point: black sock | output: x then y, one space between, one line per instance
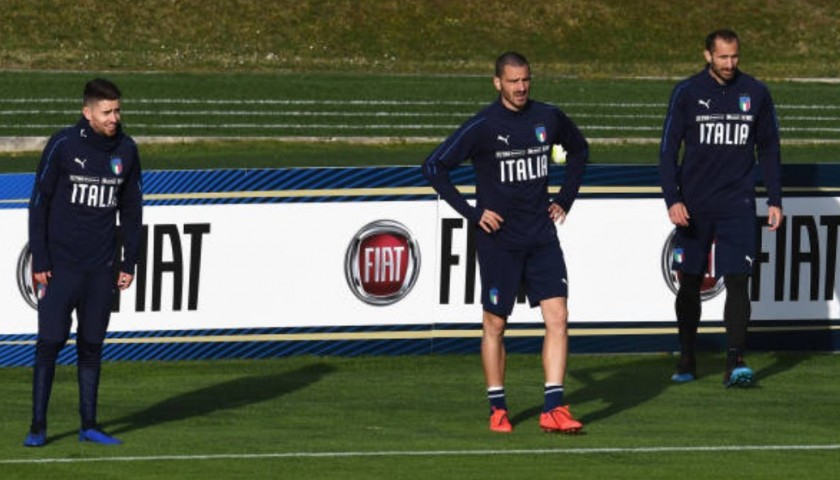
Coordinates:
734 358
736 311
689 309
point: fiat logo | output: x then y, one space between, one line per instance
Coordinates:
382 262
25 282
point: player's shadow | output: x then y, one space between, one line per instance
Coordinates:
624 386
782 362
221 396
620 386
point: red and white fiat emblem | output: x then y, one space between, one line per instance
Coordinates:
709 288
25 282
382 262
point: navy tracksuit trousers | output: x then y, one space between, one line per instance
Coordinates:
90 294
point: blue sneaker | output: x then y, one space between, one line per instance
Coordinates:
682 377
740 376
35 439
685 368
98 436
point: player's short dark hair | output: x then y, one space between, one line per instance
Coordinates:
100 89
510 58
724 34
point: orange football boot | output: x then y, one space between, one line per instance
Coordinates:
560 420
499 421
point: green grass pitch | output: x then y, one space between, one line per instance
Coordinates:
284 120
425 417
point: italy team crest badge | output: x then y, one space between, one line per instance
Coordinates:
744 103
116 166
541 135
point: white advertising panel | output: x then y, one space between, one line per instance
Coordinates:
286 265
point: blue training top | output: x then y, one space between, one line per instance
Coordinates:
722 127
511 155
83 180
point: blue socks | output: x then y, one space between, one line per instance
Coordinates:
496 396
553 397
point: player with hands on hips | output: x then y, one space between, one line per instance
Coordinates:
511 144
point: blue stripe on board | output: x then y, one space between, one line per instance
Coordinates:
791 335
16 188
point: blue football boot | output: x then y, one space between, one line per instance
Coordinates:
98 436
35 439
686 369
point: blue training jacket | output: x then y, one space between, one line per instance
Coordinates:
722 128
511 155
83 182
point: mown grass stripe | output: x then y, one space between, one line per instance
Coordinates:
379 126
310 113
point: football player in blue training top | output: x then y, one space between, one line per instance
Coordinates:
88 175
724 118
510 143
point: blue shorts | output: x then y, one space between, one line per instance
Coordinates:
730 242
541 269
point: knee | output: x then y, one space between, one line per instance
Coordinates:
493 324
690 284
737 291
559 326
89 354
556 320
689 291
736 281
46 352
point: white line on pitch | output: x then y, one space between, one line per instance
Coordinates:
428 453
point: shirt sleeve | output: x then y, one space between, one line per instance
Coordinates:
672 136
459 147
46 178
577 155
131 215
769 152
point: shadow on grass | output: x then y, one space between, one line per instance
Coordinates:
222 396
713 365
782 362
623 386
